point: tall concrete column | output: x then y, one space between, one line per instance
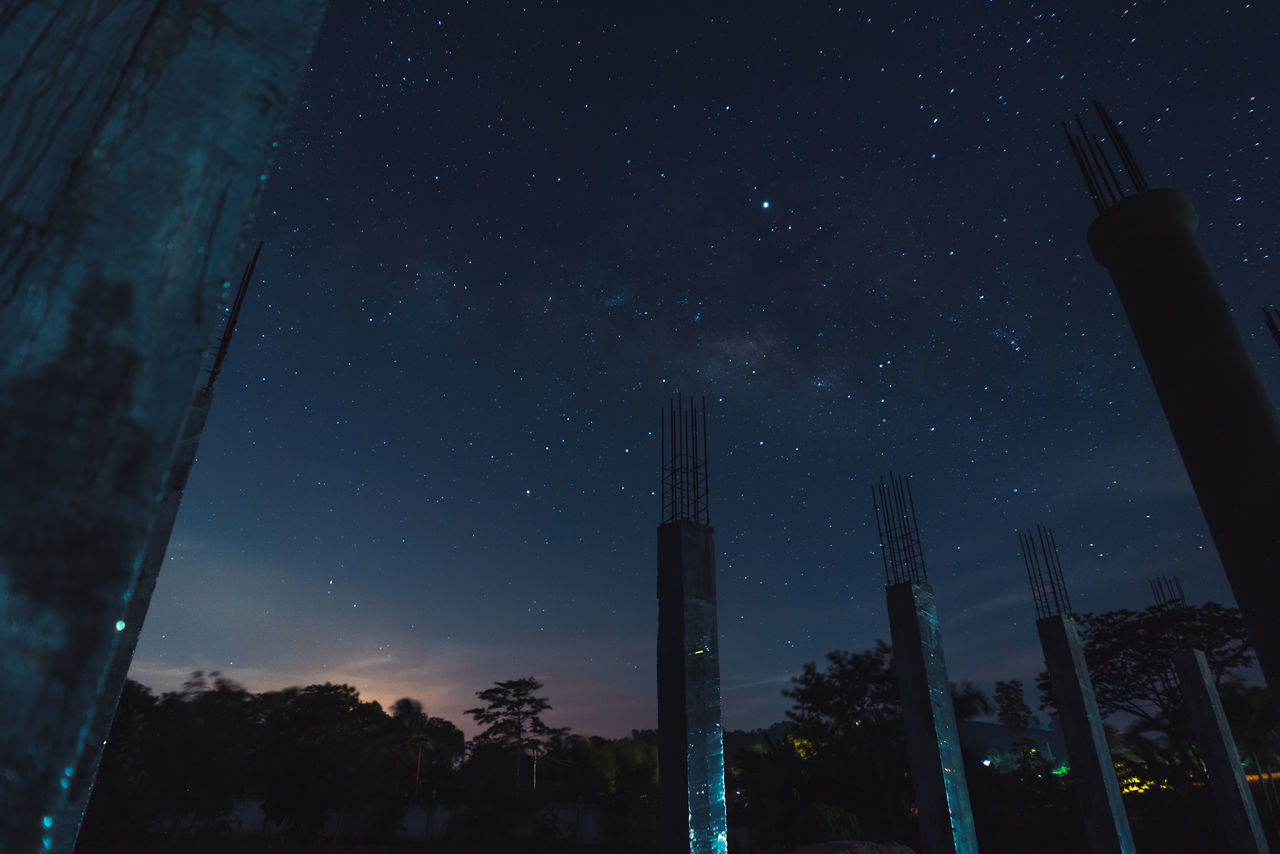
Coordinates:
1094 774
691 750
67 829
1218 749
933 741
139 137
80 785
1218 409
692 816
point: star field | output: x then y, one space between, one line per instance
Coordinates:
499 237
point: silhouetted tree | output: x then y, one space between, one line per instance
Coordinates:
428 748
603 770
1012 711
968 701
854 690
637 770
316 754
325 751
202 744
1012 708
1128 653
513 717
125 786
846 749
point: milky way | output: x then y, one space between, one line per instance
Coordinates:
499 239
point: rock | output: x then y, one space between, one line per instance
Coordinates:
851 847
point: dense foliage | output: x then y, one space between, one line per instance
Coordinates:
316 756
326 765
512 714
1128 653
842 773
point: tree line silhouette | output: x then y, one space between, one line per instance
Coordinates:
330 768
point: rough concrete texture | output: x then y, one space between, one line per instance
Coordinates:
67 828
690 740
933 741
138 138
1217 746
1105 822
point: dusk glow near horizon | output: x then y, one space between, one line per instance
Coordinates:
499 239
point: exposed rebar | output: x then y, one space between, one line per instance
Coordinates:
899 531
1167 590
1044 571
229 321
1100 176
685 495
1127 159
1272 316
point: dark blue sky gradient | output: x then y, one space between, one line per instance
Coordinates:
499 237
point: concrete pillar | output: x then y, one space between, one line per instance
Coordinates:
690 741
1222 760
65 831
933 741
1092 771
1220 414
138 138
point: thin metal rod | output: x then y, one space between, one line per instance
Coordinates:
1044 572
1122 147
1100 176
898 528
1090 183
684 465
1272 317
884 550
1111 173
662 466
1096 155
1060 585
1167 591
232 317
706 465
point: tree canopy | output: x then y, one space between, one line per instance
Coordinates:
853 690
513 714
1129 656
312 754
1012 709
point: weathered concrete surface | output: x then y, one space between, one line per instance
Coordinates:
1221 416
1217 746
66 829
690 741
137 137
933 741
1105 822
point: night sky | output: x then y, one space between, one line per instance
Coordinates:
500 237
